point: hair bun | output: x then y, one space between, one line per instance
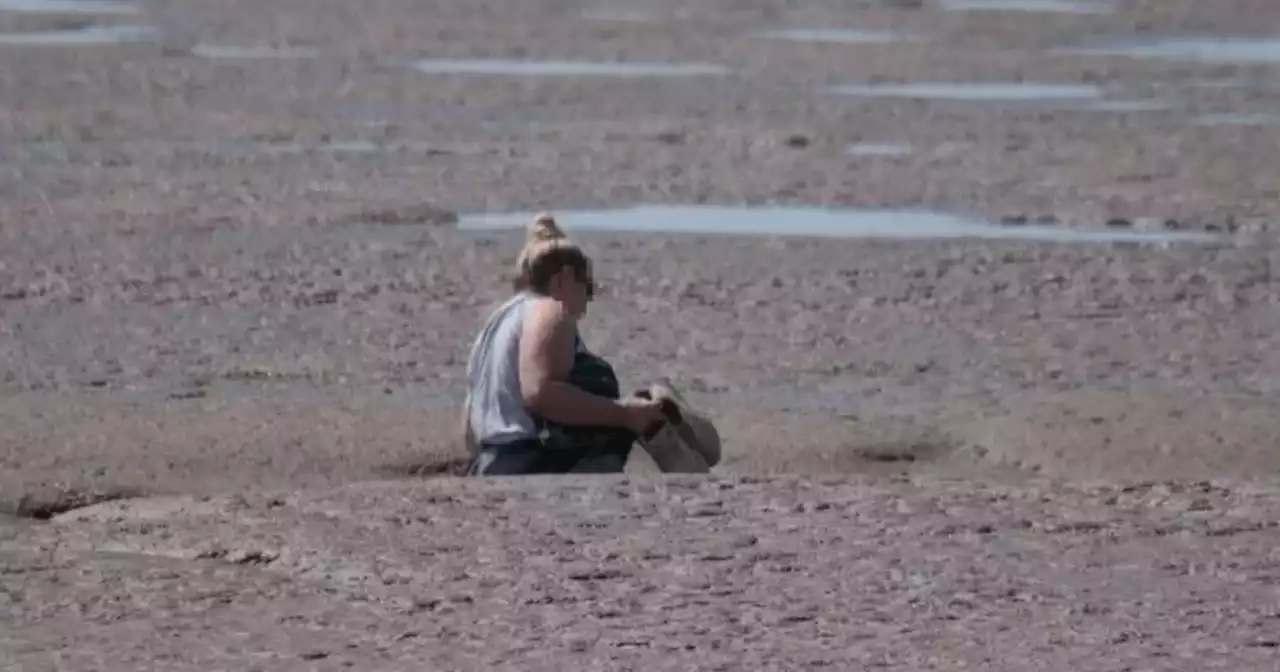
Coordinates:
546 251
544 228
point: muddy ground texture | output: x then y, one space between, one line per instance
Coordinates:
230 358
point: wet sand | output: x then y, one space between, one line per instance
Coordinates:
234 300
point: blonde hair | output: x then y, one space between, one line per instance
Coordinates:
546 251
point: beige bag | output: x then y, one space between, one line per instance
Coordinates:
691 446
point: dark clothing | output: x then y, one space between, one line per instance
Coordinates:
564 449
532 457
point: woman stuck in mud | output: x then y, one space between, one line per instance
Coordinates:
538 402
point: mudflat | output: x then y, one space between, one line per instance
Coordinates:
238 282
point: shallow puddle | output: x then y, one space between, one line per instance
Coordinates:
1241 50
349 147
835 36
1237 119
1123 106
777 221
336 147
228 51
101 7
877 149
565 68
89 36
1041 6
976 91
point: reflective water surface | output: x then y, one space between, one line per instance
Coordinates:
1042 6
1221 50
1237 119
101 7
88 36
229 51
564 68
800 221
835 35
878 149
975 91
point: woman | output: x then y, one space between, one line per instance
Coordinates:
538 402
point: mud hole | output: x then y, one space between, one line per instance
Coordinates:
45 504
435 468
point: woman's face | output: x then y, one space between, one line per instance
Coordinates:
575 289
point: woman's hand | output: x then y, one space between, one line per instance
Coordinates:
642 414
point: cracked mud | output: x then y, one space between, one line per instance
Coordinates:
235 305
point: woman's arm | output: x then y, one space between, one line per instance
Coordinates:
468 435
546 357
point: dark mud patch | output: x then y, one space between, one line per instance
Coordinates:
417 215
240 556
431 468
901 452
894 445
44 505
256 374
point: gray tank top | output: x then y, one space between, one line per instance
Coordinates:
494 402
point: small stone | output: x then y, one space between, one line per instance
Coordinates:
251 557
1119 223
198 393
214 553
1200 504
426 604
797 141
1013 220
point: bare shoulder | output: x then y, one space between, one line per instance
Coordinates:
546 346
547 313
